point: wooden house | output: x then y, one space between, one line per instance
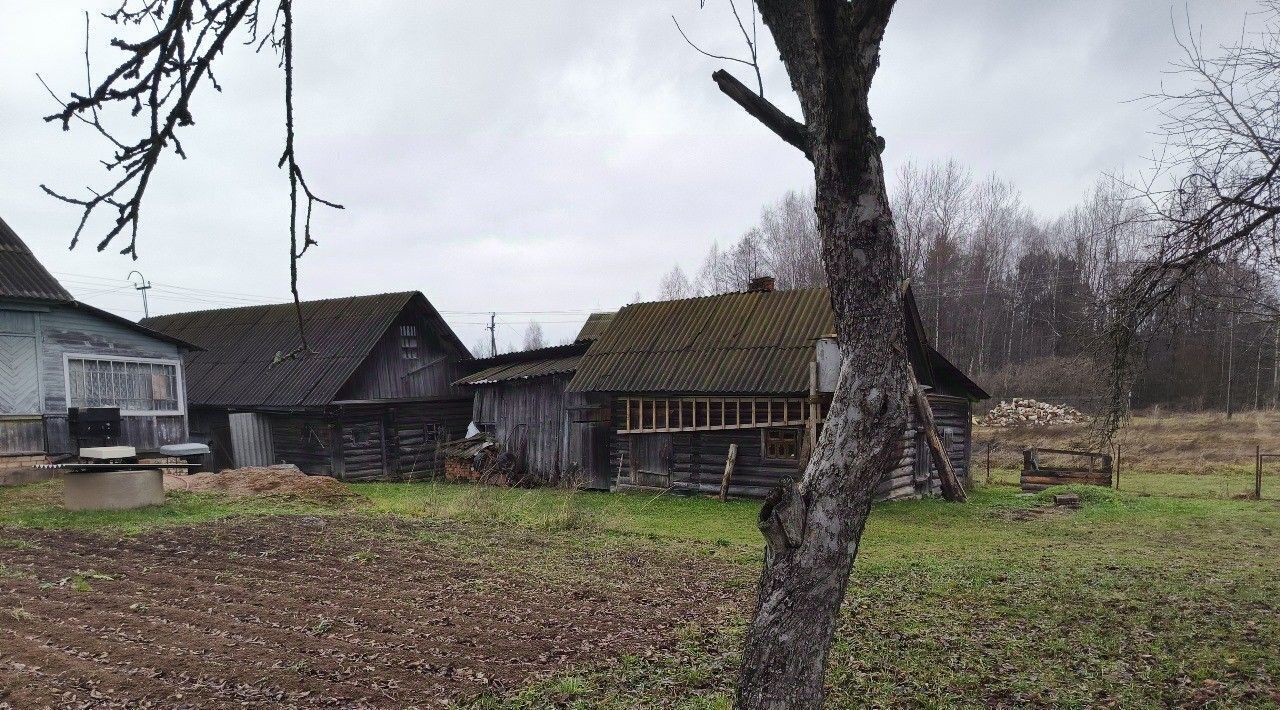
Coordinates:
57 353
522 401
372 399
683 380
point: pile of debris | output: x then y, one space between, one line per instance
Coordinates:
1029 412
279 480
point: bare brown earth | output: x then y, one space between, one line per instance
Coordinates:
340 611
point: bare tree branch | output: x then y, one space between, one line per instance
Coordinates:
787 128
155 81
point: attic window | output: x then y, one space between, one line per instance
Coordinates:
409 342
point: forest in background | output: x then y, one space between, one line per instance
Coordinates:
1021 301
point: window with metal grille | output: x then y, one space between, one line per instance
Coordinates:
409 342
136 386
781 444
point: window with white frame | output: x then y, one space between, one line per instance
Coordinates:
135 386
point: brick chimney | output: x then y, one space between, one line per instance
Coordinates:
761 284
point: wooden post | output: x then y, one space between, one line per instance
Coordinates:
728 472
988 463
1257 473
1117 467
951 488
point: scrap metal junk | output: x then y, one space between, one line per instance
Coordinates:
1029 412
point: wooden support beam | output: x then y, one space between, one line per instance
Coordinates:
951 488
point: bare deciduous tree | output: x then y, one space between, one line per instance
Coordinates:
675 285
533 337
156 81
831 50
1213 193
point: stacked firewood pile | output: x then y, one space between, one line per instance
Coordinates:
479 459
1029 412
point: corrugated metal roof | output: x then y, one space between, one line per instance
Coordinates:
526 364
522 371
741 343
737 343
595 325
239 345
22 275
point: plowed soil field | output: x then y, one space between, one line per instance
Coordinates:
344 611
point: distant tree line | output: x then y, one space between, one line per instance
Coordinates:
1021 302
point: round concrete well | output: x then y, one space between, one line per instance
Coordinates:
114 490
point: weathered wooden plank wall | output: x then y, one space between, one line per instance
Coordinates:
530 419
387 374
697 458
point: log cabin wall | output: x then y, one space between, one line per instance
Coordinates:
302 439
694 461
387 442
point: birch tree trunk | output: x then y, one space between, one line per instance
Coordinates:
831 49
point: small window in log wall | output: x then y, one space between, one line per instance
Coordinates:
409 342
781 444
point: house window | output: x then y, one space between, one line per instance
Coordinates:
409 342
781 444
136 386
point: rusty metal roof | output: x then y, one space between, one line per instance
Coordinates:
737 343
595 325
240 344
22 275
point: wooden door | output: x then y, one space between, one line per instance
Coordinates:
650 456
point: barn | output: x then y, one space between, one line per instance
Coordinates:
372 399
58 355
684 380
521 400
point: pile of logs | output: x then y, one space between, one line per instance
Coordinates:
1029 412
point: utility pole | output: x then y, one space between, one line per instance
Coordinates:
493 334
146 311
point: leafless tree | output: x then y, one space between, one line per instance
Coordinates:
675 285
533 337
163 67
1213 193
831 50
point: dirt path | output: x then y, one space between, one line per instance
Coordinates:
331 612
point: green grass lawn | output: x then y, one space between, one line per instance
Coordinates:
1224 482
1134 601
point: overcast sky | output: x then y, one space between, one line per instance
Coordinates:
552 157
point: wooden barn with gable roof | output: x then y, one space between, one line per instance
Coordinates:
372 400
684 380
